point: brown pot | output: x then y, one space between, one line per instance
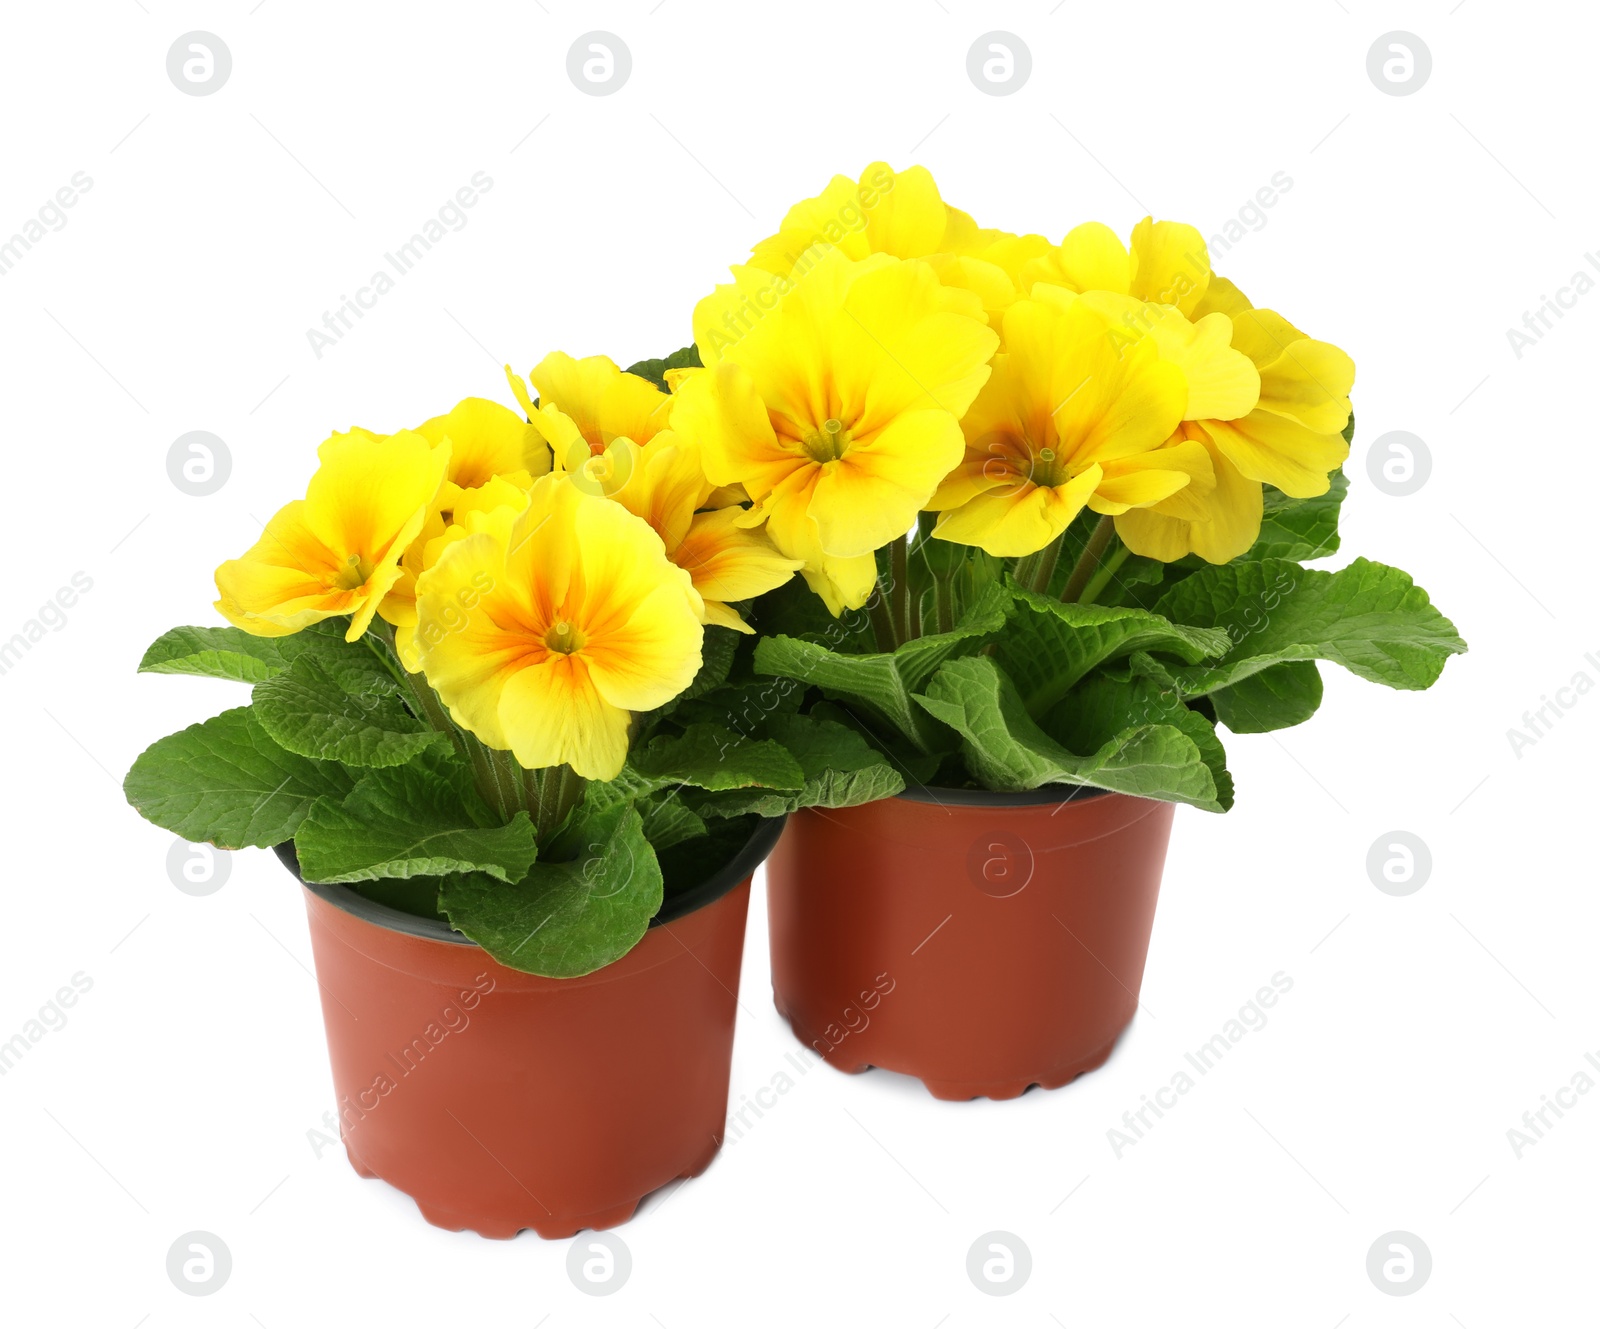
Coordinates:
499 1100
981 942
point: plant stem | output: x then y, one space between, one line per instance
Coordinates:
899 572
1045 568
944 603
1023 569
1101 579
1089 560
882 619
556 791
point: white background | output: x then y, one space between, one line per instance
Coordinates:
178 296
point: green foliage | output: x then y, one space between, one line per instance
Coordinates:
655 370
569 918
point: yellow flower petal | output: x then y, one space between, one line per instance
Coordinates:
1171 265
542 633
486 440
728 562
1279 451
338 551
1015 521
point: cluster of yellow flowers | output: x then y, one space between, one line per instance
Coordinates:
883 355
551 573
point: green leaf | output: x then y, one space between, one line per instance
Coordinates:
743 706
1300 528
1279 696
795 610
566 919
1372 619
227 782
885 682
716 660
711 757
1007 751
419 820
668 820
351 713
1138 691
655 370
1051 646
841 769
231 653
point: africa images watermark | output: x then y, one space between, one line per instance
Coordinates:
52 615
1542 719
52 216
1537 322
1251 1018
1537 1123
453 1019
452 216
52 1016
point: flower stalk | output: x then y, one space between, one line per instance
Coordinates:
1089 561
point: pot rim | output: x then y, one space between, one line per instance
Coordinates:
743 864
989 798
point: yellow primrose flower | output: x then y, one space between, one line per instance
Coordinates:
666 486
486 440
1166 263
1075 415
585 404
838 409
543 632
1292 438
337 551
901 213
885 212
399 607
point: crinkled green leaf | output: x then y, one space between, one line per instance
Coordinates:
1048 646
227 782
1372 619
1117 699
566 919
711 757
1279 696
419 820
1007 751
885 682
841 769
668 820
1300 528
234 654
349 712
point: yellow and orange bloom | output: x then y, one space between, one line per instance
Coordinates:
836 406
543 633
337 551
1074 416
585 405
666 486
399 607
1291 438
486 440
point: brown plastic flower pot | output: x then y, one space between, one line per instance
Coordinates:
499 1100
981 942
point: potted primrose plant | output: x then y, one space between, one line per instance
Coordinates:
483 730
1053 504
